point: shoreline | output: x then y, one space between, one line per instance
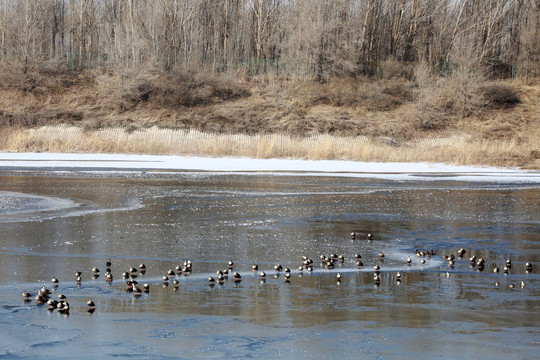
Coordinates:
397 171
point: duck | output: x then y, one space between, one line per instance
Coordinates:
369 236
357 256
175 282
109 276
132 270
278 267
496 270
359 263
338 276
211 281
26 295
398 275
142 267
165 278
447 274
220 279
55 281
254 267
423 261
341 258
231 264
381 254
353 236
461 252
287 276
95 270
508 263
377 267
78 280
78 273
409 260
262 274
505 270
528 266
376 279
170 272
497 283
90 303
61 296
237 277
522 284
146 287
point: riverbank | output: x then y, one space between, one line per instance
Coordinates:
492 123
249 166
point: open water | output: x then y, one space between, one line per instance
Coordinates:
53 224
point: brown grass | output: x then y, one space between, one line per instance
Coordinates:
448 146
463 118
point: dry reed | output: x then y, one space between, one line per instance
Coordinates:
447 146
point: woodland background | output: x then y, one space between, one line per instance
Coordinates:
396 70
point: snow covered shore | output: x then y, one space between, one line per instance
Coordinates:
230 165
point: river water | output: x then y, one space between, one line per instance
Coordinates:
53 224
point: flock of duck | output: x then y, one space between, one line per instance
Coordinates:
44 295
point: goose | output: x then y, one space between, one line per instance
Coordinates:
287 276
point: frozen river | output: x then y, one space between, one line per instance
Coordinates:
55 221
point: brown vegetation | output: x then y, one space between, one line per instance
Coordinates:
494 122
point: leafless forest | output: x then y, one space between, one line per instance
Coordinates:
301 38
396 70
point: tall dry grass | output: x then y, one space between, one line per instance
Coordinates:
447 146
